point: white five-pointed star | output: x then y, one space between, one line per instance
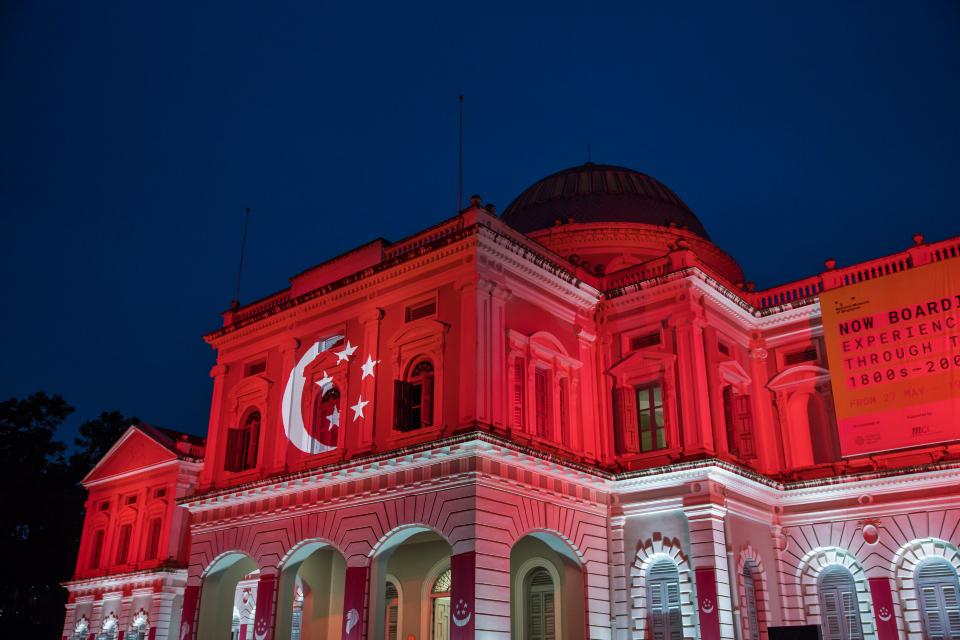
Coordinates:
346 353
368 366
333 420
358 408
325 381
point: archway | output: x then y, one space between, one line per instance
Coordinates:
310 596
228 597
546 589
409 585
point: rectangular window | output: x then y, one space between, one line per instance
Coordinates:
645 341
123 543
255 368
650 418
97 550
153 538
542 394
420 310
131 499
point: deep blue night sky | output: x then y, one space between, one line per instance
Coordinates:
133 136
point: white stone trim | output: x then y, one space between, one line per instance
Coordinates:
809 569
519 614
762 595
905 562
651 550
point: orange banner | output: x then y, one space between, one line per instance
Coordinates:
893 347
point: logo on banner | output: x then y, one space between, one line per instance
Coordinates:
462 613
292 413
353 617
706 605
884 614
184 630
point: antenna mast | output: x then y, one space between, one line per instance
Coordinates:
460 163
243 245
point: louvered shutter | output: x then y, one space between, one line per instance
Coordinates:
937 589
393 612
401 405
549 617
535 619
663 596
426 400
840 610
541 395
750 592
743 415
518 373
627 431
233 450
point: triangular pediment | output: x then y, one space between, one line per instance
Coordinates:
133 451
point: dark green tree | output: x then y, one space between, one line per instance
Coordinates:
40 518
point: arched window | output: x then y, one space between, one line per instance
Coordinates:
938 589
750 594
139 627
839 608
242 443
97 550
326 416
123 543
109 629
392 612
663 600
154 531
440 607
413 398
541 607
80 630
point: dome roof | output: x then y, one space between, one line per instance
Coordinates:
599 193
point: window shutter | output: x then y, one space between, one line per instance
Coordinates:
750 592
401 408
549 617
541 395
518 373
253 444
937 588
564 389
663 594
536 616
839 605
233 449
426 400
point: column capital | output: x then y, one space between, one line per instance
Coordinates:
218 370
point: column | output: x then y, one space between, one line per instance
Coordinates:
708 555
694 400
584 396
355 587
619 577
499 375
361 433
764 429
278 459
469 351
161 615
218 373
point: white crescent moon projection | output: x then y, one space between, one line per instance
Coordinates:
293 425
458 618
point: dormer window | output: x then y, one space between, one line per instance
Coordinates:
414 398
242 443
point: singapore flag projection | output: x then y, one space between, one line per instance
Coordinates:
297 431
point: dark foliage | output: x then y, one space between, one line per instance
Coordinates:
42 511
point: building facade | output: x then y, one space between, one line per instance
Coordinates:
572 420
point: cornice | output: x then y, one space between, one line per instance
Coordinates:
285 310
119 580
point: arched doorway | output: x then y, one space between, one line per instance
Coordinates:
410 586
228 598
310 596
547 589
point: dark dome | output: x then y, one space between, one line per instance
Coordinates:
599 193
